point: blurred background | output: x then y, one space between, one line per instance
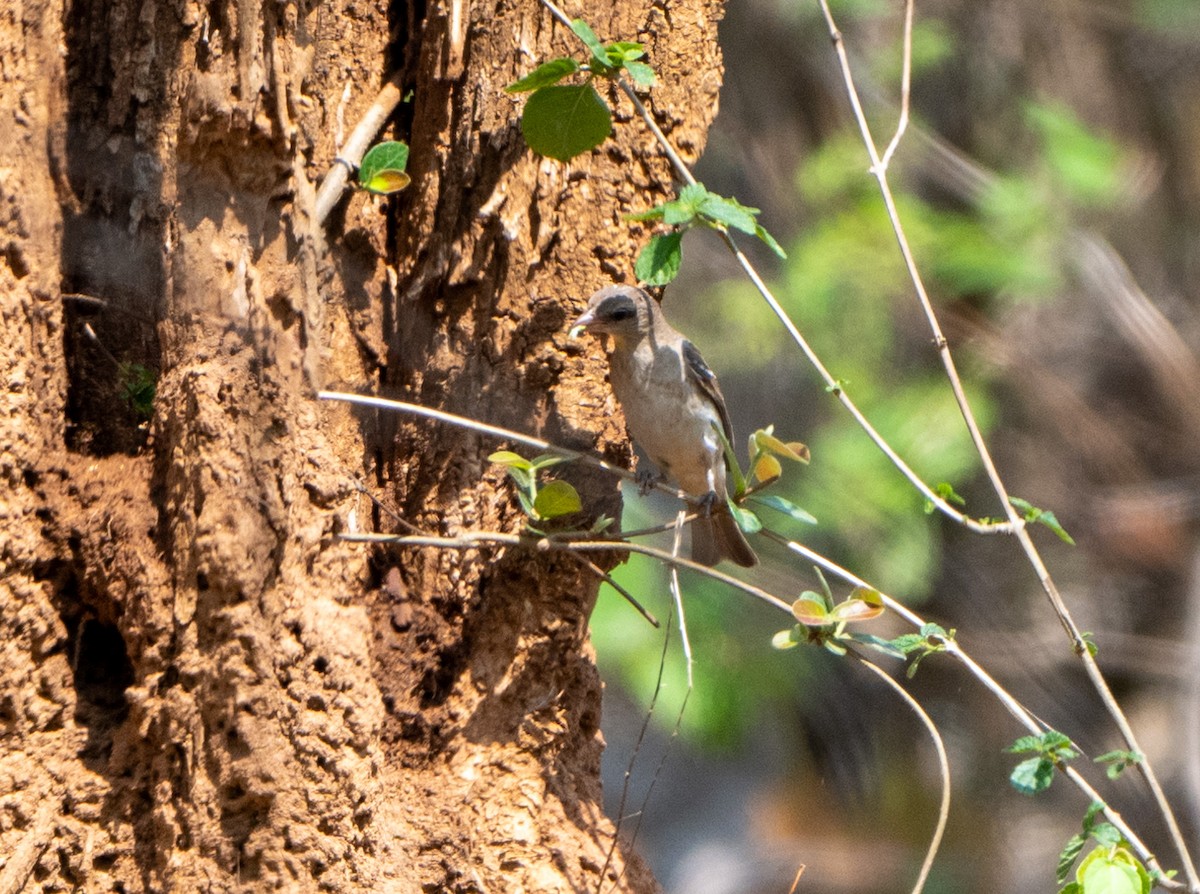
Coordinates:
1050 186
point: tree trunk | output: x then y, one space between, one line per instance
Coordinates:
203 687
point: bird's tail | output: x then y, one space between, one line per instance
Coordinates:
716 536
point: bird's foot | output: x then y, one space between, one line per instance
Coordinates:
708 503
646 480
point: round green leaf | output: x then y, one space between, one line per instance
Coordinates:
555 499
562 122
383 166
658 263
810 611
1103 872
508 458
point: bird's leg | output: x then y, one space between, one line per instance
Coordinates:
707 503
646 479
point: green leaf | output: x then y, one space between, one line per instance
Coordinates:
382 168
1119 761
764 440
810 610
747 520
876 642
1106 834
584 32
545 75
566 121
526 503
1047 518
1112 871
684 208
729 212
786 639
864 606
622 51
546 460
1068 855
787 507
641 74
556 499
523 477
761 232
1032 776
659 261
1024 745
510 459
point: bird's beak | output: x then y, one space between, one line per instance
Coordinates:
581 325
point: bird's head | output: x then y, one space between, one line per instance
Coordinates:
624 312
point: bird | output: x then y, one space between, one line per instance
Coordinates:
673 409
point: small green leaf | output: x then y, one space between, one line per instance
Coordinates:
526 503
510 459
684 208
1048 519
761 232
1068 856
584 32
602 524
779 504
660 260
786 639
556 499
546 460
763 439
1106 834
565 121
810 610
861 605
523 477
728 212
1024 745
1032 776
622 51
545 75
382 168
746 520
1112 871
641 74
876 642
1119 761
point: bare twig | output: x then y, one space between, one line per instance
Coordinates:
943 767
608 579
352 153
495 431
905 86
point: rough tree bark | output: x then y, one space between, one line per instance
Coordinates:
203 688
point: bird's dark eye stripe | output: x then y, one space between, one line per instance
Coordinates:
618 308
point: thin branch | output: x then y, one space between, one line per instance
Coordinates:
608 579
495 431
905 86
878 169
943 766
677 596
352 153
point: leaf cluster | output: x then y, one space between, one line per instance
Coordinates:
1110 868
542 501
1051 750
562 121
823 622
659 262
138 386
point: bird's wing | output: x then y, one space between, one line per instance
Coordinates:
704 377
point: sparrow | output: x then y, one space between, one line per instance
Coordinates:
673 409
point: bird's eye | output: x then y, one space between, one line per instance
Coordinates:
622 313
